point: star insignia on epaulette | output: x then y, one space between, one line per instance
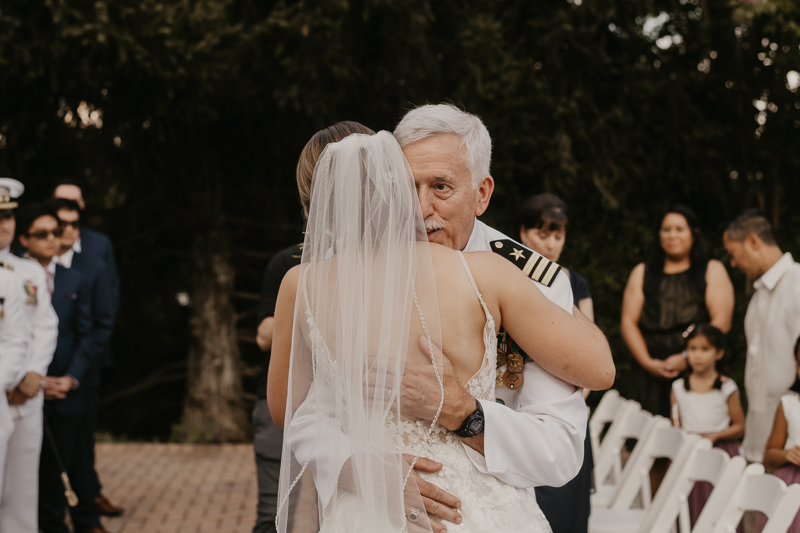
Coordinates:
7 266
535 265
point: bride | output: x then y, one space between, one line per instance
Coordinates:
370 294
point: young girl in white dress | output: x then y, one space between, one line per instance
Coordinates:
782 455
706 402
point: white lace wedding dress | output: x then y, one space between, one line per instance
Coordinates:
487 504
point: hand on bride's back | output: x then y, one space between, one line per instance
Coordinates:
420 394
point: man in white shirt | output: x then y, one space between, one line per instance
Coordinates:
772 323
21 483
536 436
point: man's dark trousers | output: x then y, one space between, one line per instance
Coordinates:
268 442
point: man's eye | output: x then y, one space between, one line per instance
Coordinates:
441 187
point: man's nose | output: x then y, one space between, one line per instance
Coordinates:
425 202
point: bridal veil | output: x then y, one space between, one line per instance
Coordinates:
366 293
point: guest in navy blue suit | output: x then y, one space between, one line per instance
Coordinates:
94 245
85 517
39 231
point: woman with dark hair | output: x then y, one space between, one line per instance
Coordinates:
665 299
543 222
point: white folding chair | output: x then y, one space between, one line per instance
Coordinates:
633 423
756 491
662 441
606 412
671 504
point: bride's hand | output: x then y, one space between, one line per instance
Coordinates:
438 502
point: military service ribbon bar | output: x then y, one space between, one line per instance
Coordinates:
532 264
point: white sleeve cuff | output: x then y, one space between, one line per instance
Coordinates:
539 444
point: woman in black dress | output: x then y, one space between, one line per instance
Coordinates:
666 297
543 228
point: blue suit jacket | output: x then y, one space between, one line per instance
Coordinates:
95 245
75 349
97 276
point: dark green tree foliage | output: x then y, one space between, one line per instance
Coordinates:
202 108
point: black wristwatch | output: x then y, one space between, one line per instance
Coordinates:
474 423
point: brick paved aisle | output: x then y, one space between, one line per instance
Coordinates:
188 488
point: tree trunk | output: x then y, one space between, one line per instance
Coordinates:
214 410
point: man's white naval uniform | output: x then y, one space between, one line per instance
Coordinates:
13 349
20 488
535 439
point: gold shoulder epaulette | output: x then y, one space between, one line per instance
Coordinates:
7 266
533 264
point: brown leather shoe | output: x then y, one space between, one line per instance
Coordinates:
106 508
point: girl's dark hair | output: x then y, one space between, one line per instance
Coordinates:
715 338
543 211
654 267
796 385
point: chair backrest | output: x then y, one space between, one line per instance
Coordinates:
662 441
704 463
757 491
631 424
605 413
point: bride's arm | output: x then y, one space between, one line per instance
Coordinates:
571 348
278 375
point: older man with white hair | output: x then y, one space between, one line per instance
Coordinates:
533 435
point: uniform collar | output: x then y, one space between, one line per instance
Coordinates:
771 277
5 252
475 236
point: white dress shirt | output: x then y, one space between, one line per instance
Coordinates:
772 326
66 258
535 439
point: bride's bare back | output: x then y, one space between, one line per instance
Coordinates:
568 347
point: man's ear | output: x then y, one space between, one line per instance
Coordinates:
484 190
753 242
23 241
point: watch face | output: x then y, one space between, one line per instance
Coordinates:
475 426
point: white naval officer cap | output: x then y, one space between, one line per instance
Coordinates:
10 189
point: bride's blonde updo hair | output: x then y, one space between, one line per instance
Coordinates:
312 150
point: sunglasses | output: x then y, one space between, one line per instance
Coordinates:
76 224
45 234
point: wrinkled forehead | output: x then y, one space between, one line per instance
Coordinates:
439 154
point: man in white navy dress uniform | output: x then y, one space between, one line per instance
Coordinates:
14 341
536 435
20 487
